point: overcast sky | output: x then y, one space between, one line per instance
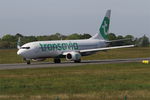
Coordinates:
45 17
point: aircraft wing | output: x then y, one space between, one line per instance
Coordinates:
119 40
106 48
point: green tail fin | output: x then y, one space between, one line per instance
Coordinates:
103 31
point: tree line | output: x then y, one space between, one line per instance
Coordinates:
10 41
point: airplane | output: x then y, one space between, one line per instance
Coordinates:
72 50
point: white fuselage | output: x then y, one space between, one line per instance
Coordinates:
52 49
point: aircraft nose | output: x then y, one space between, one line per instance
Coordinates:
19 52
25 53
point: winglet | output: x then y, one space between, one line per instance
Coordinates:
18 43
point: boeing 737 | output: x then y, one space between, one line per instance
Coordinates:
72 50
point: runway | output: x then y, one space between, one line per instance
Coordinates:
66 64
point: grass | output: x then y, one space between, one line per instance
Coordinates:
10 56
135 52
87 82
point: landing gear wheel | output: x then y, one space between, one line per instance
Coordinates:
28 62
77 61
57 60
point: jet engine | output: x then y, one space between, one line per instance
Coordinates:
74 56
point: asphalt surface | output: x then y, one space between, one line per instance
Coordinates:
65 64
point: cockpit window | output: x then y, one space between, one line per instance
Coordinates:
25 47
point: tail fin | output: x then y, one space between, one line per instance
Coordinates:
104 28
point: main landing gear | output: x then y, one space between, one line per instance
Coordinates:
57 60
77 61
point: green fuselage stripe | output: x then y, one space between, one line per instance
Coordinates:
59 46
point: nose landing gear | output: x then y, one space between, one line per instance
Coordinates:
27 61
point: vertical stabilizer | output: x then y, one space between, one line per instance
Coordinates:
104 28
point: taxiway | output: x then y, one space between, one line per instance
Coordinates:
66 64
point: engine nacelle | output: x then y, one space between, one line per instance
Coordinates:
73 56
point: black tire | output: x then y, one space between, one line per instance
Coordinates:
28 62
78 61
57 60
